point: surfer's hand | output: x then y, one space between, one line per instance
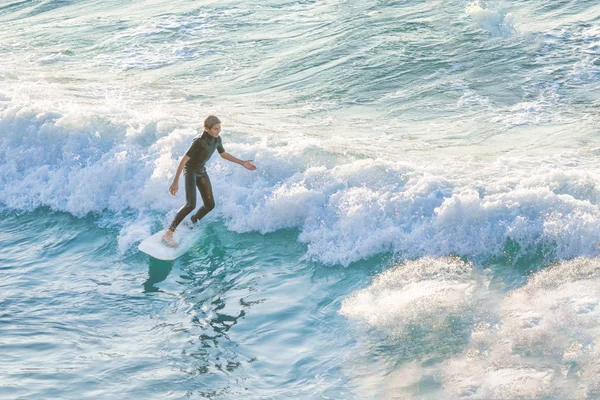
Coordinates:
174 188
248 165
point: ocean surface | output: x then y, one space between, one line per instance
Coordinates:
424 222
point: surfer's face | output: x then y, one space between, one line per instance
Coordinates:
215 130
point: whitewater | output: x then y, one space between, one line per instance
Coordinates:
423 222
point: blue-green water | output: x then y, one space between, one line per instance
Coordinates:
81 320
423 222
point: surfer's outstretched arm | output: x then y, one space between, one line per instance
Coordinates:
175 185
246 164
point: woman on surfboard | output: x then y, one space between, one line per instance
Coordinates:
193 165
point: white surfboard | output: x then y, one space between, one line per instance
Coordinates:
184 236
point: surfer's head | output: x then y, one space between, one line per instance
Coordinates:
212 125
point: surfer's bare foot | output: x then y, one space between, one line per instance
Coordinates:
168 238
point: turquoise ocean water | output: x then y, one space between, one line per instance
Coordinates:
424 222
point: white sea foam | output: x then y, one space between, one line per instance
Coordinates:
491 17
538 341
54 58
544 344
423 293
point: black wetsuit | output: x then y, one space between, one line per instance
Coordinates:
200 151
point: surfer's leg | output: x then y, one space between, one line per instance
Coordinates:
190 200
203 183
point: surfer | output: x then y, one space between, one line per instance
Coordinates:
193 165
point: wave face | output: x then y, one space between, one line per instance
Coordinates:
412 129
345 211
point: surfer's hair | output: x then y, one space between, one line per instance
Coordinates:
211 121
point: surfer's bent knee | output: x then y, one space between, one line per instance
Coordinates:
210 205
